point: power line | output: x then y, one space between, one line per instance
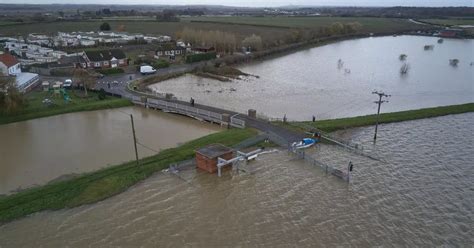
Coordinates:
379 102
147 147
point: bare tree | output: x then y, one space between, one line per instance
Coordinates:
11 100
83 77
253 41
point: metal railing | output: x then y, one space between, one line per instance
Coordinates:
235 122
185 110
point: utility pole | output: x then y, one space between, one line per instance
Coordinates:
379 102
134 139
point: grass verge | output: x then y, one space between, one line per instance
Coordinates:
36 109
95 186
367 120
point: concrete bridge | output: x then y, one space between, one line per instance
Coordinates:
119 87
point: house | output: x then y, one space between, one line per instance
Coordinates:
451 33
105 58
447 34
9 65
170 50
207 157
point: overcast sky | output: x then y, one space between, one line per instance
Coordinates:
265 3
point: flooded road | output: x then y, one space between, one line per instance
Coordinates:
310 82
37 151
423 197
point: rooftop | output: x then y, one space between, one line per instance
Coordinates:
101 55
8 59
214 150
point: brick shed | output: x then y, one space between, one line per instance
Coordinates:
206 157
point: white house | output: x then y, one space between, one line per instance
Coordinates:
9 65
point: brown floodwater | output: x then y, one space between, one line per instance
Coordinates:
36 151
421 197
310 82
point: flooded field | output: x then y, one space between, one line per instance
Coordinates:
422 196
37 151
312 82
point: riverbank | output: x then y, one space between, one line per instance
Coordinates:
37 109
368 120
96 186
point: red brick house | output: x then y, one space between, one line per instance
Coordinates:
105 58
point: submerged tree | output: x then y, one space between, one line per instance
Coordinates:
454 62
404 68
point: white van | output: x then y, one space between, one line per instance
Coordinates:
67 83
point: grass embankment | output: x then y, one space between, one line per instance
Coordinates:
36 109
343 123
95 186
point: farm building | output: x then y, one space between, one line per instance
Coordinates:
206 157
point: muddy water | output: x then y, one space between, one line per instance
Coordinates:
309 82
422 197
37 151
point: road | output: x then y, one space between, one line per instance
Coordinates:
117 84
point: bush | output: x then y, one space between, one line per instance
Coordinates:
200 57
105 27
101 94
110 71
161 63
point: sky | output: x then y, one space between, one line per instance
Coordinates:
265 3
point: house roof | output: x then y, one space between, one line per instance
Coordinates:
214 150
168 47
101 55
71 59
8 59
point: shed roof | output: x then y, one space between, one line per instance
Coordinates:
101 55
214 150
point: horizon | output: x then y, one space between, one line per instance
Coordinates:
256 4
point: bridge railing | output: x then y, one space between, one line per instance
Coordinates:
184 109
235 122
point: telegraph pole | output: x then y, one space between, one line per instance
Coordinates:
134 139
379 102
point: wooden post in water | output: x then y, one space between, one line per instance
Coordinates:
134 139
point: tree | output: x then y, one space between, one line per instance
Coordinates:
253 41
105 26
82 77
11 100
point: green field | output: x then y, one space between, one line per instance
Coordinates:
269 28
343 123
95 186
36 109
145 27
449 22
369 24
